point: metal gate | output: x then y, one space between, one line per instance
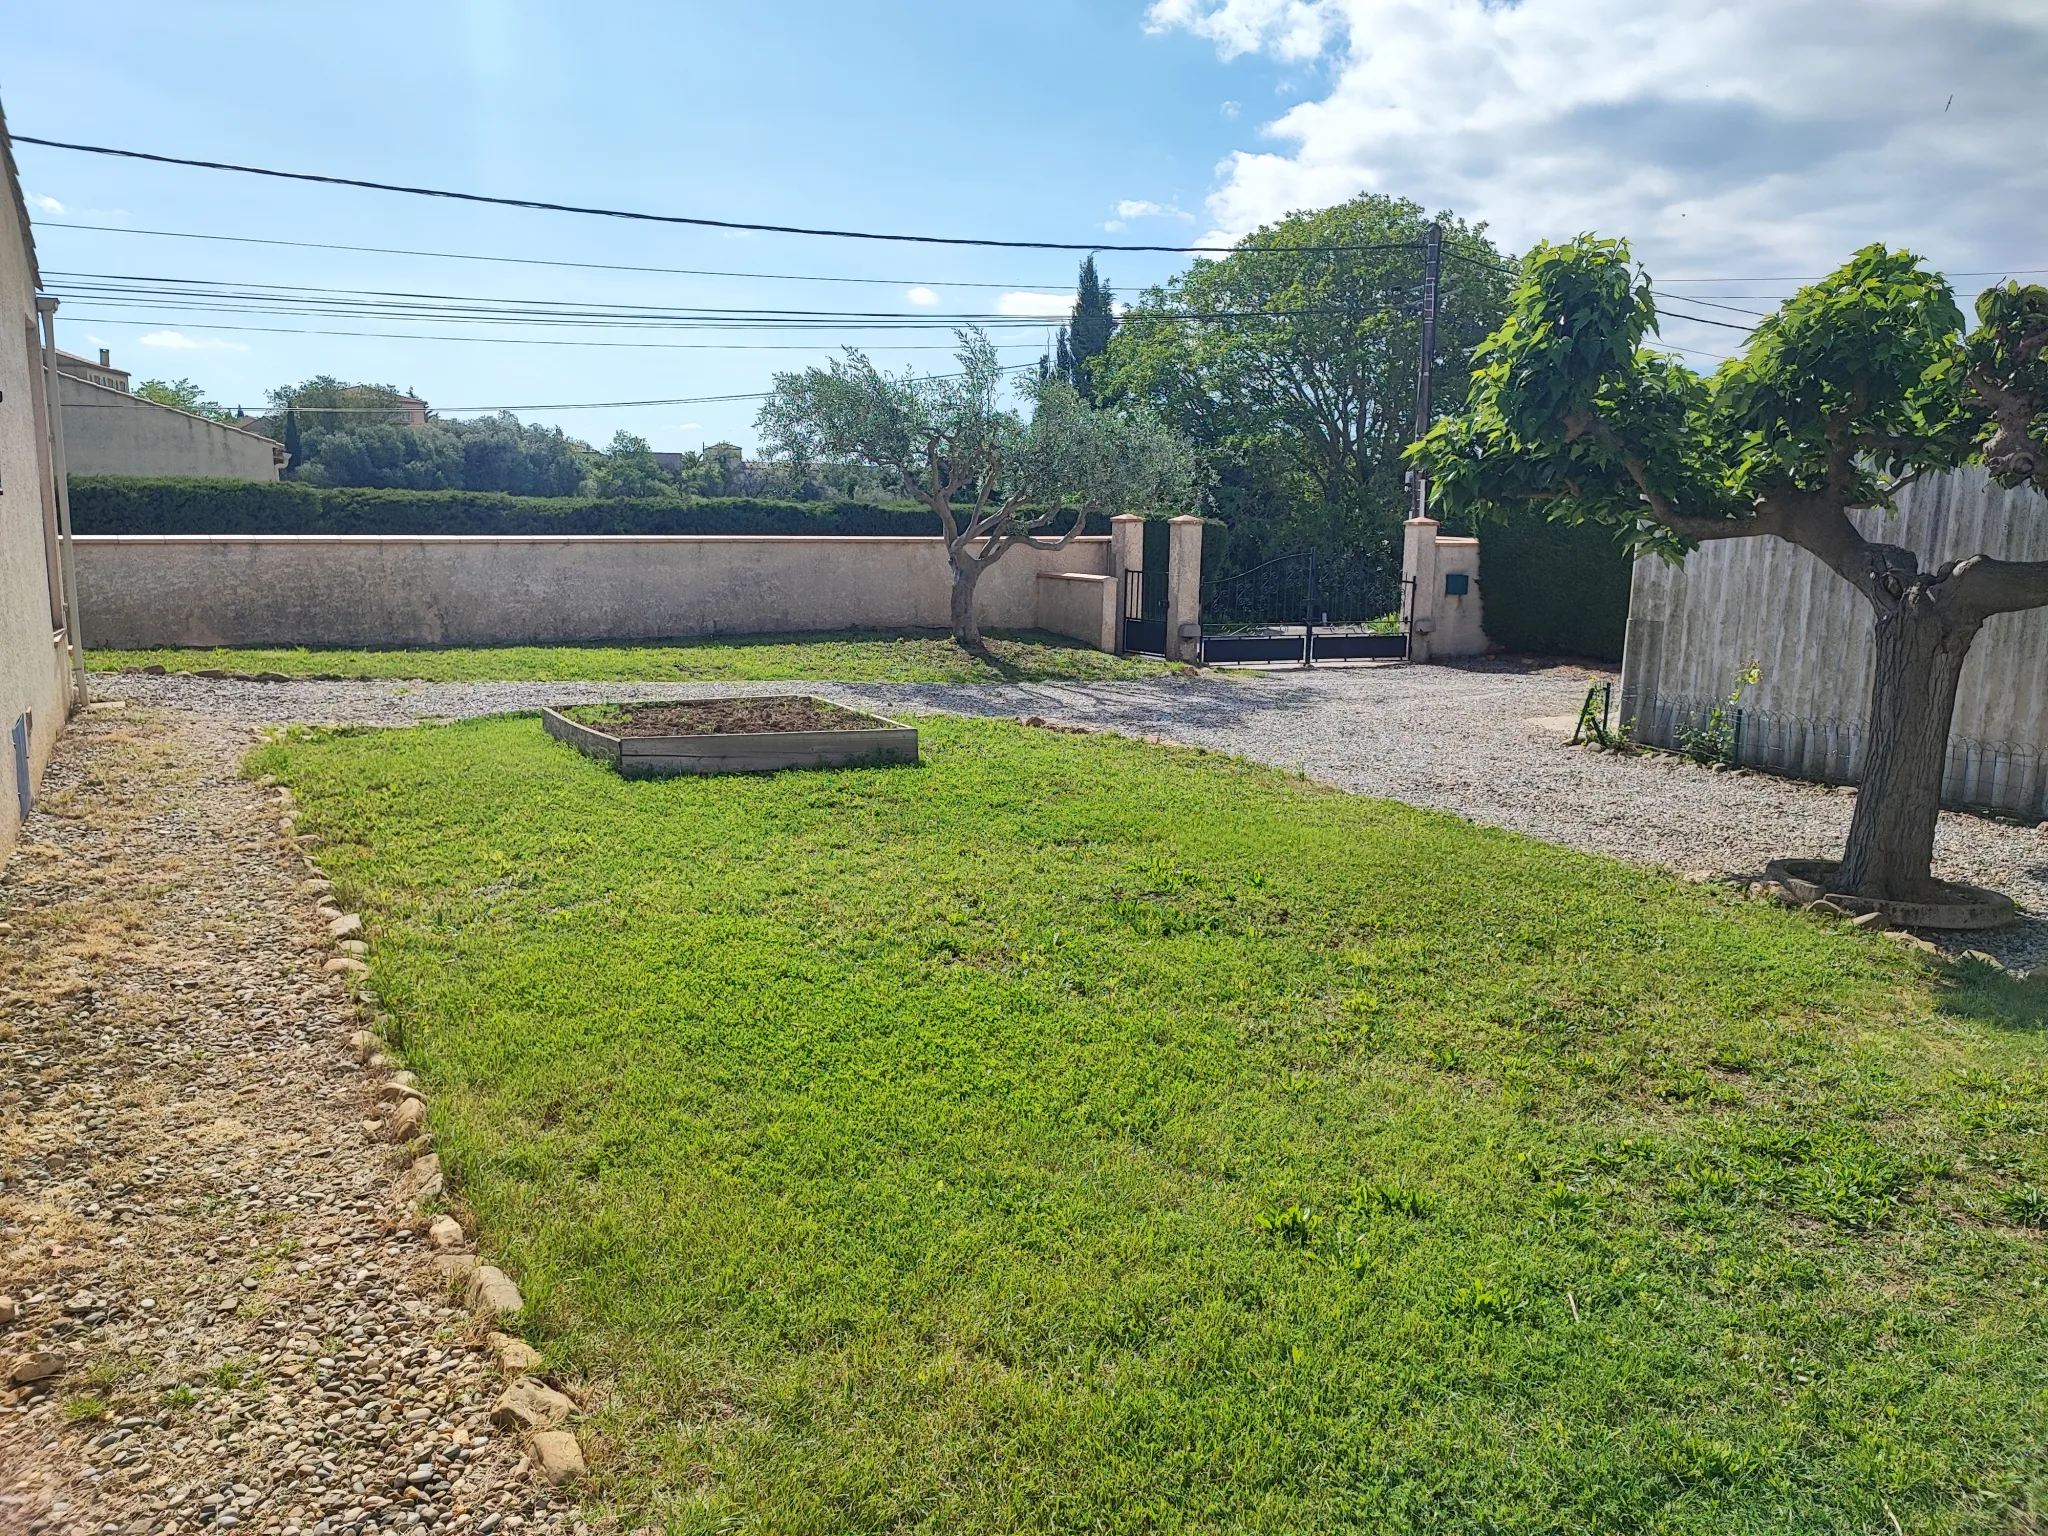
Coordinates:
1306 607
1144 595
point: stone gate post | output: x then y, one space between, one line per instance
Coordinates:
1184 590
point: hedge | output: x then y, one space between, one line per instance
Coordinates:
121 504
1553 587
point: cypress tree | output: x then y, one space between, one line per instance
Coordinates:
292 454
1093 323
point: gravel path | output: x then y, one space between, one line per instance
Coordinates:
225 1320
1486 745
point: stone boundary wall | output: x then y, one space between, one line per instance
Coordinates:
1693 628
139 591
111 432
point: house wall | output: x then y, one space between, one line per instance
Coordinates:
1693 628
141 591
34 663
109 432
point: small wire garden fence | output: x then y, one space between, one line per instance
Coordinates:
1980 775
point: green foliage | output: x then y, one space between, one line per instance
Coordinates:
182 395
1087 334
1552 587
892 1181
1292 366
949 439
121 504
1570 409
627 471
827 656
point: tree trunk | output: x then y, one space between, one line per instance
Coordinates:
1920 655
966 633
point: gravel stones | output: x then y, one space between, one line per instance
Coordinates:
1477 740
225 1306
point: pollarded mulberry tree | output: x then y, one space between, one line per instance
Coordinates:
1855 387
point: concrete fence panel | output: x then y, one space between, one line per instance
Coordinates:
140 591
1694 628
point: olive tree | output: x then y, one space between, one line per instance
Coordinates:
995 478
1856 386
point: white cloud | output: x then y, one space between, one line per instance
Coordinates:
178 341
1288 29
1137 208
686 426
1764 138
1230 108
47 204
922 295
1043 306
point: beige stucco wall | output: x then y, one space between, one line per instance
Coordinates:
34 678
107 432
1079 605
1442 625
170 590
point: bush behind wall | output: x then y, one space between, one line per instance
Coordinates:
121 504
1553 587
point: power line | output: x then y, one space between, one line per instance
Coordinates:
535 261
667 218
541 341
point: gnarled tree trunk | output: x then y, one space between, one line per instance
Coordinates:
966 573
1921 646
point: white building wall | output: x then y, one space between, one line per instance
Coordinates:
110 432
34 663
1693 628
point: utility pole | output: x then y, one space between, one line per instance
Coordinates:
1432 260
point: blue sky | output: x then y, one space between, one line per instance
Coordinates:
1034 122
1747 143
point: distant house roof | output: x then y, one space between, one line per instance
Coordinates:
102 373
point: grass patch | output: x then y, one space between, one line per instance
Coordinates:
853 656
1072 1134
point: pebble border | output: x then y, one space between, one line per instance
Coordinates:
539 1412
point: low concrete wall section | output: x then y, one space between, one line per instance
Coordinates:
139 591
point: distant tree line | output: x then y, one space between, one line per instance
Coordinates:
341 435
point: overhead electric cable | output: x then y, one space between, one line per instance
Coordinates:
639 216
536 261
543 341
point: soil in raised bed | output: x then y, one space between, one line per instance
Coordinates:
719 717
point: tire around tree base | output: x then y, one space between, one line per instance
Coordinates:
1960 906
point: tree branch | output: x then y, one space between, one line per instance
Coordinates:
1981 586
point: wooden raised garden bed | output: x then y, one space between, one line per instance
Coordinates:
734 735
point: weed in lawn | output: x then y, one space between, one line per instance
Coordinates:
898 1146
1293 1226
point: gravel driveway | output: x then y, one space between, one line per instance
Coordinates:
216 1314
1486 745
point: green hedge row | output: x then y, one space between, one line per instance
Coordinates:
1553 587
119 504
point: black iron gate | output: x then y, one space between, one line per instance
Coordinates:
1306 607
1144 595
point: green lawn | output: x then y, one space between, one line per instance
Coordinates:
853 656
1070 1134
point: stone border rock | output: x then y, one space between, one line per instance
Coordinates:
1972 907
533 1407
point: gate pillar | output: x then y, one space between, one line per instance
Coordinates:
1440 601
1184 590
1126 569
